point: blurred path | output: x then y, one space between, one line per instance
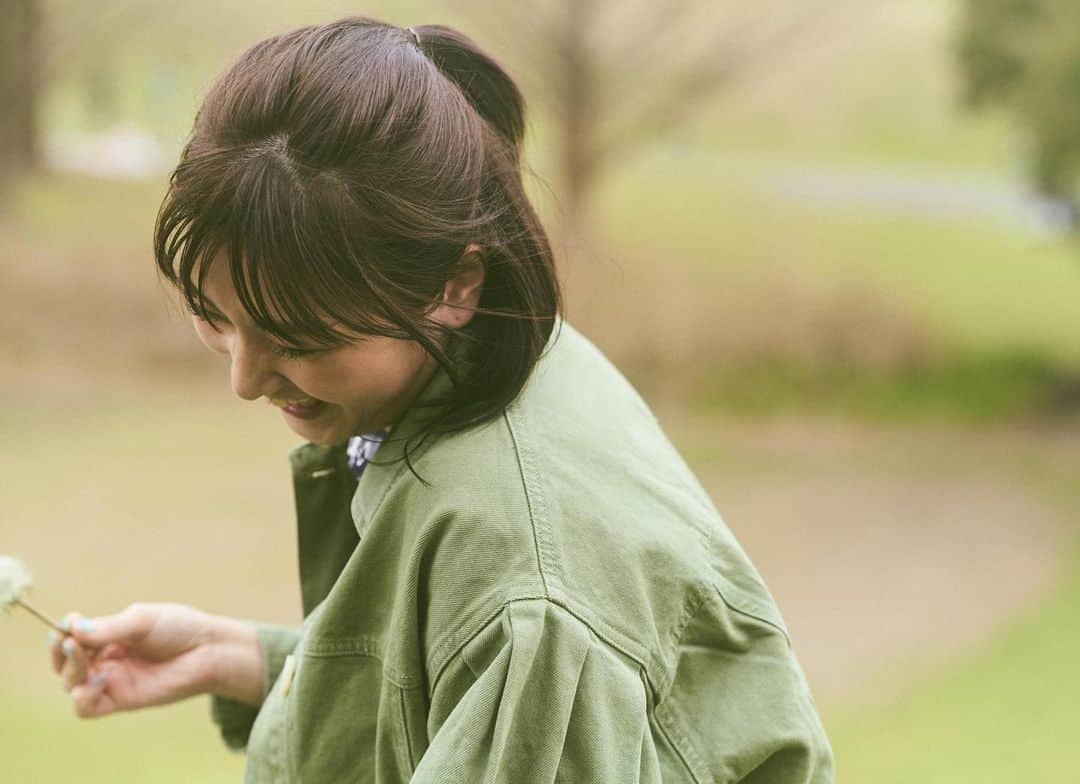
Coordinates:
921 193
125 152
885 549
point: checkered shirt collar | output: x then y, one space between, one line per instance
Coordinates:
361 449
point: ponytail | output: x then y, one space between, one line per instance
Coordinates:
479 77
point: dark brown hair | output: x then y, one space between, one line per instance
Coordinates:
343 169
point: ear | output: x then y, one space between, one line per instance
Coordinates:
461 294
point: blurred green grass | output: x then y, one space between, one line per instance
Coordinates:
109 221
1003 715
41 740
968 389
978 287
1007 711
130 496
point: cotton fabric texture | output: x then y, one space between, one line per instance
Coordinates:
561 603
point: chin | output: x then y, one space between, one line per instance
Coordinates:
318 432
321 439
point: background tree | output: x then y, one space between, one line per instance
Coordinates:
615 74
38 38
1024 56
20 91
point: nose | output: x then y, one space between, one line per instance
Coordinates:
251 371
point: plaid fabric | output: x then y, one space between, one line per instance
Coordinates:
361 449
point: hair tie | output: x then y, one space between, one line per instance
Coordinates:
415 35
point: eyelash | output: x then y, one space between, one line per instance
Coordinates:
209 318
292 353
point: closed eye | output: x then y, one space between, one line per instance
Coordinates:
287 352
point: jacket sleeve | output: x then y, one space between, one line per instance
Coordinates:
235 719
536 697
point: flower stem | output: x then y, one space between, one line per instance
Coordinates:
38 614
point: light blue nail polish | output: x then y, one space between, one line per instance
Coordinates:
85 625
51 639
98 679
68 648
65 624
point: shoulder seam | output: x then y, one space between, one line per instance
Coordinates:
534 499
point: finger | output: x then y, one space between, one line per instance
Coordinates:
56 656
75 668
70 623
127 626
92 699
55 641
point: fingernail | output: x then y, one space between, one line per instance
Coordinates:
98 679
51 639
85 625
65 624
68 648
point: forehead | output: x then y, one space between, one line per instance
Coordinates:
217 274
216 284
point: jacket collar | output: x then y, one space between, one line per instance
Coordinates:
389 462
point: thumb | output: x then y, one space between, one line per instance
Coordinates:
127 626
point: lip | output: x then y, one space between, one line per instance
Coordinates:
303 408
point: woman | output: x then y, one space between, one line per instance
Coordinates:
508 573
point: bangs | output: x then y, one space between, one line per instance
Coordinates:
290 242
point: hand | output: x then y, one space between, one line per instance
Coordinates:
153 654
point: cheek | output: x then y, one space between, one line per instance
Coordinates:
373 370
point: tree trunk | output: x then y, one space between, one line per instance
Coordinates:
577 116
20 87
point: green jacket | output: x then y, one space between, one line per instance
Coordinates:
560 603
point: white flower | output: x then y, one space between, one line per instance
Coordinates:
14 580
